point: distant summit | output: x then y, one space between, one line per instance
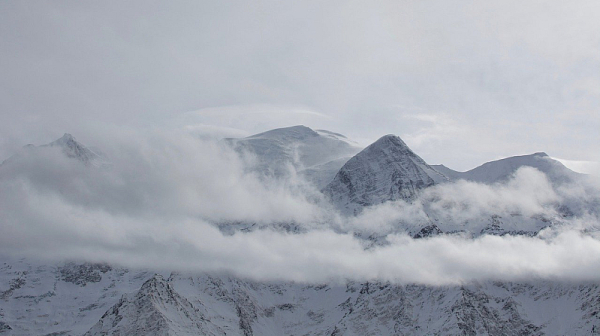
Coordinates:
69 146
386 170
315 155
501 170
74 149
286 134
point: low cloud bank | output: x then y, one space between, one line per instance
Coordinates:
156 204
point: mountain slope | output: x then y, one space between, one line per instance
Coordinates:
316 155
68 145
70 299
156 309
386 170
501 170
74 149
39 298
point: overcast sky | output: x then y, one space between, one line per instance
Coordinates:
462 82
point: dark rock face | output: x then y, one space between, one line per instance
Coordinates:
4 328
82 274
428 231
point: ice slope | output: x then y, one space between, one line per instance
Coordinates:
501 170
386 170
316 155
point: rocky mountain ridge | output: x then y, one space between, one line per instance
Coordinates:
124 302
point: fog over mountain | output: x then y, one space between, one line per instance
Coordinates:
245 209
461 83
299 168
170 200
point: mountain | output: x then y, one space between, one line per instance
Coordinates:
386 170
93 299
68 146
156 309
74 149
501 170
64 298
316 155
76 298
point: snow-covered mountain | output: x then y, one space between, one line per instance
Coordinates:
501 170
68 145
74 149
92 299
40 298
156 309
316 155
387 170
74 298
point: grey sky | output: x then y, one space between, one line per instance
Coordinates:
462 82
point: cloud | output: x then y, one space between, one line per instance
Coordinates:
468 206
517 78
157 204
163 173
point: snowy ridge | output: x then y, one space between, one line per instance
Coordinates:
156 309
316 155
214 304
68 146
387 170
501 170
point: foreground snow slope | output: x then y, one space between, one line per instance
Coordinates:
77 299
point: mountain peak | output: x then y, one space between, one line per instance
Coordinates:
386 170
298 132
389 140
66 140
74 149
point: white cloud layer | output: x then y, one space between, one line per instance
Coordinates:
156 204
